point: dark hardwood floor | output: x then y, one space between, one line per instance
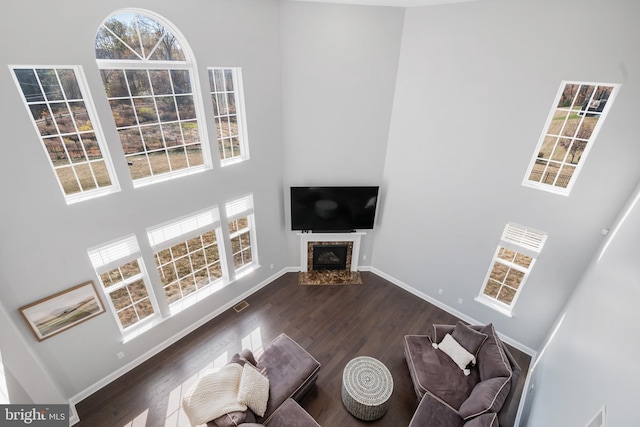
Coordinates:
332 322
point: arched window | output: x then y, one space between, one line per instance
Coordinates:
150 80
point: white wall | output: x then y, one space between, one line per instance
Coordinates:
338 76
44 241
475 84
591 360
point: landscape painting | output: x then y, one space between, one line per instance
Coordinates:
62 311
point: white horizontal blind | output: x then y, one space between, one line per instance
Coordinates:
106 258
167 235
524 237
239 208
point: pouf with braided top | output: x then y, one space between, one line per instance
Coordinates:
366 388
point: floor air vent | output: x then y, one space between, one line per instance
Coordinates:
240 306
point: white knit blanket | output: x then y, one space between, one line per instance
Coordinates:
215 393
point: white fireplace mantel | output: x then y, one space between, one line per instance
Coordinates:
330 237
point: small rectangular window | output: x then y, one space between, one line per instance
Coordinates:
571 129
187 254
228 111
512 262
242 234
125 281
66 123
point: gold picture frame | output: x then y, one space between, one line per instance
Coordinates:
57 313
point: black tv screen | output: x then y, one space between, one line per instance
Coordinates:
340 209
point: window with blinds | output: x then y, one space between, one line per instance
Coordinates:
511 264
187 253
125 282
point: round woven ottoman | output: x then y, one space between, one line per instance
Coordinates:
366 388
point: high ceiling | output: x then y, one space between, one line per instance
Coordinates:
396 3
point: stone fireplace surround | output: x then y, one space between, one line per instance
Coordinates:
308 240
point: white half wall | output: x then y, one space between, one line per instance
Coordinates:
591 360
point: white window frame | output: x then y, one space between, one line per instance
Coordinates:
238 94
523 240
236 209
112 255
552 188
81 81
150 65
164 236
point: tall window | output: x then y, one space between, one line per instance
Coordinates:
187 254
241 231
68 129
571 129
512 262
151 86
125 281
228 110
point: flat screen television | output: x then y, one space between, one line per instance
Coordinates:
333 209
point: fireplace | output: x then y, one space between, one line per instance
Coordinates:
337 243
329 257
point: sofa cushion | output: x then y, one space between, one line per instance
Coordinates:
254 390
432 412
290 369
214 394
485 420
469 338
456 352
487 396
439 331
492 362
291 414
434 372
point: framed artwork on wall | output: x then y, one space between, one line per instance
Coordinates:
56 313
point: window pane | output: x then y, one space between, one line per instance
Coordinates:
55 104
492 288
122 110
130 269
139 166
120 298
514 278
137 290
499 272
506 295
144 309
127 317
575 119
49 81
149 93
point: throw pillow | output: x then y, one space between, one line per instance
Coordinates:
456 352
254 390
492 361
487 396
469 338
214 394
485 420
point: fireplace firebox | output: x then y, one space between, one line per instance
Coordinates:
330 257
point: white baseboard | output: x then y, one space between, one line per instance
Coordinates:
73 419
516 344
